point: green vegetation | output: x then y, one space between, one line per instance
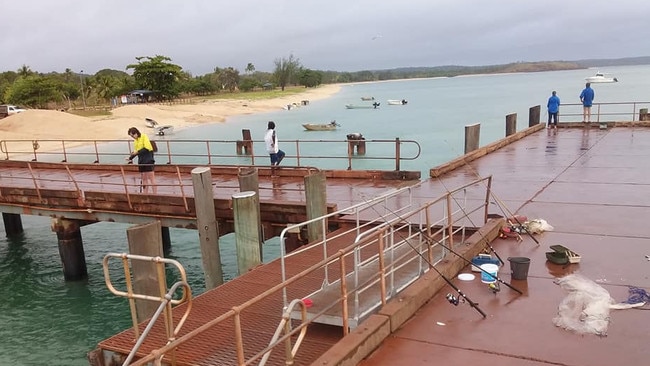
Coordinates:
166 80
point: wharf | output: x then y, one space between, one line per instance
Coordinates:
592 186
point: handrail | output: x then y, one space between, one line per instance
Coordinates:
223 152
164 297
382 235
603 112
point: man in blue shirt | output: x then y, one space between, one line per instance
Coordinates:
553 106
587 99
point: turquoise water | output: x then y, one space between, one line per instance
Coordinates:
45 320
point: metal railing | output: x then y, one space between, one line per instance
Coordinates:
603 112
334 154
399 225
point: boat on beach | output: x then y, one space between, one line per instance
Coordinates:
160 130
321 126
397 101
363 106
601 78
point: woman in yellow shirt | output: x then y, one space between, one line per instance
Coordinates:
143 149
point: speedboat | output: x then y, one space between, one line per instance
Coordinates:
321 126
367 98
600 78
397 102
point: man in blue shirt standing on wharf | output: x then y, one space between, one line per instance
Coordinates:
587 99
553 106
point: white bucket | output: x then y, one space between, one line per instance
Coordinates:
489 272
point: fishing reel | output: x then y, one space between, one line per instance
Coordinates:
494 287
454 300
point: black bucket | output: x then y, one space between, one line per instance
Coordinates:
519 267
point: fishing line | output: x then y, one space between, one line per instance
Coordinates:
453 300
430 240
502 206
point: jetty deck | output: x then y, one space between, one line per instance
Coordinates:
592 186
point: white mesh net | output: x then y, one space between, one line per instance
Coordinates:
585 309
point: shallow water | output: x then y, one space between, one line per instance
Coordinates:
45 320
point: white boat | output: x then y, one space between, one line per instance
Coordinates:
367 98
600 78
164 130
397 102
362 106
321 126
150 122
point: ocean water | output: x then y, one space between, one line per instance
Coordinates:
46 320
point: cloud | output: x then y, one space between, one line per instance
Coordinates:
337 35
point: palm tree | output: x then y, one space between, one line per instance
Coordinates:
250 68
25 71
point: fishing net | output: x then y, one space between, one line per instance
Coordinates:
585 309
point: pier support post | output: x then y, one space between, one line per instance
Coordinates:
249 181
166 240
472 137
13 224
71 248
533 115
146 240
643 114
247 233
206 223
246 144
511 124
316 197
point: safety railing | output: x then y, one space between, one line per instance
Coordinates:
331 154
165 295
392 221
605 112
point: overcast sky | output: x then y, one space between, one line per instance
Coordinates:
335 35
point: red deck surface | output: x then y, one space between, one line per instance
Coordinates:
593 187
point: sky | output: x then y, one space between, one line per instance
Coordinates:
352 35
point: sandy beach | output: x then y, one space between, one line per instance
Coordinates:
35 124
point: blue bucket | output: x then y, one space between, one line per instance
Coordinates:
489 273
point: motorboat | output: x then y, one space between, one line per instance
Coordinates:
397 102
365 99
321 126
151 123
164 130
600 78
363 106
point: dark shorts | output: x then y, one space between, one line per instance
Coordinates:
146 168
277 158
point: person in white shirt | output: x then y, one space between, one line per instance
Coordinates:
271 140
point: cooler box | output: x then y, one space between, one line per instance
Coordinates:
483 259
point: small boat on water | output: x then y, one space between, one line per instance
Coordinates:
365 99
321 126
600 78
397 102
362 106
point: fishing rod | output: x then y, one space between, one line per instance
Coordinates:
430 240
452 299
504 209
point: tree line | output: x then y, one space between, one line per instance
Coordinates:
168 81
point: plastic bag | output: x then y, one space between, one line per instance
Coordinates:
537 226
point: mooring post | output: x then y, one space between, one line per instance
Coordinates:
146 240
71 248
316 197
206 223
533 115
472 137
247 234
249 181
246 144
511 124
13 224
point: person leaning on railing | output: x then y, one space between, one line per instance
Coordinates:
143 149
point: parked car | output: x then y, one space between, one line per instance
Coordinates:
8 110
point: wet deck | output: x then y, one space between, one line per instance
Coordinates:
593 186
